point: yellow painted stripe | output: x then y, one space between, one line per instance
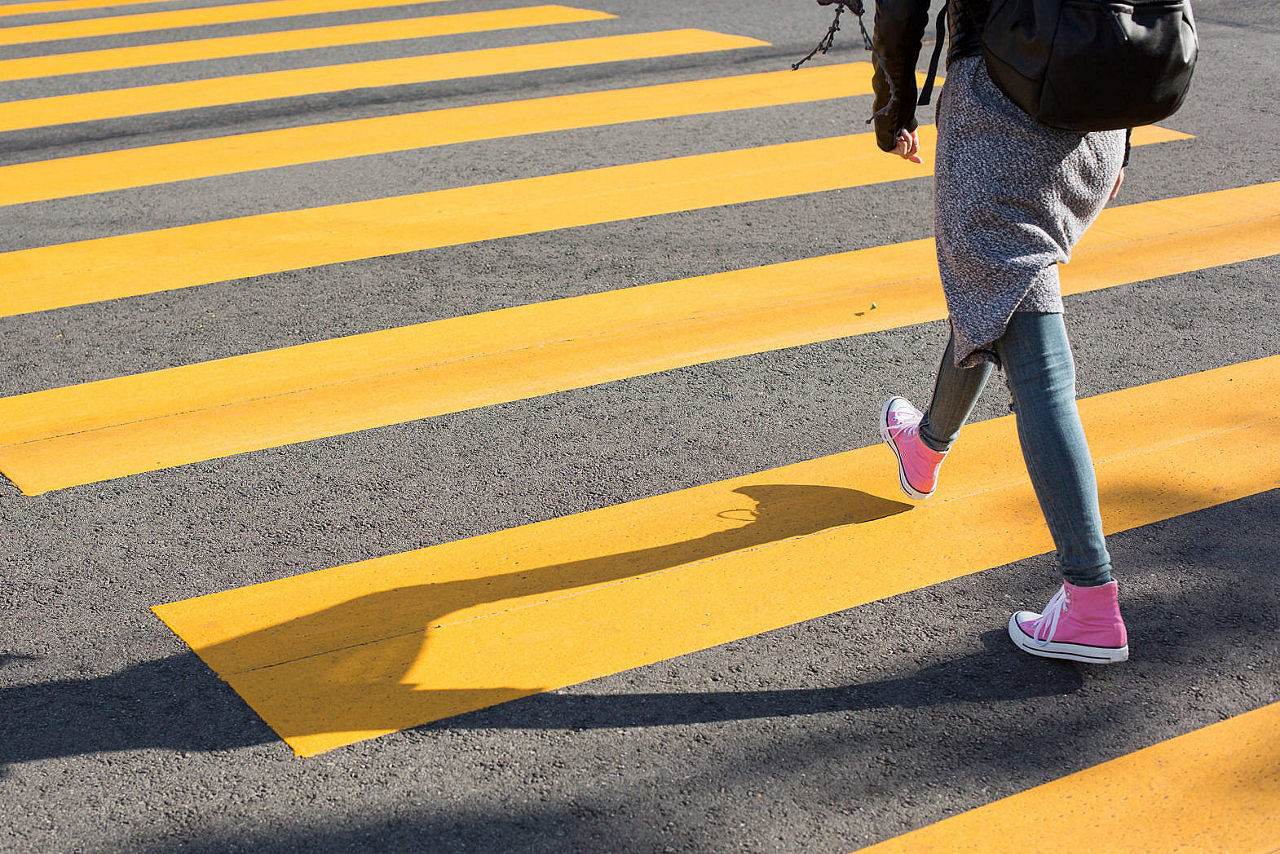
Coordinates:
111 428
186 256
176 18
218 91
332 657
1215 789
317 37
157 164
39 8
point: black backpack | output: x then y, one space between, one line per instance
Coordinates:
1088 65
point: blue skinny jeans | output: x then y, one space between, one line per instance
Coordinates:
1040 371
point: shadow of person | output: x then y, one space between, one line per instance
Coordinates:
173 702
177 703
999 673
357 667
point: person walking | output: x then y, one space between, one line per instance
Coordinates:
1012 196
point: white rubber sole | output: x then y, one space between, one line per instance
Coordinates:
1068 651
910 490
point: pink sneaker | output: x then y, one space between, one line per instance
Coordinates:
917 462
1079 623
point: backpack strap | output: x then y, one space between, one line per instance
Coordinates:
939 37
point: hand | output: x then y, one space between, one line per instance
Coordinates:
908 147
1115 191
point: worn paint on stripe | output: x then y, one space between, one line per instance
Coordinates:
339 655
202 158
186 256
176 18
1214 789
308 39
219 91
111 428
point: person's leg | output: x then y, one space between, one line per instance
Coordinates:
1040 370
1082 622
921 441
955 392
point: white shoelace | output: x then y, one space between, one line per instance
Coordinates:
904 428
1049 618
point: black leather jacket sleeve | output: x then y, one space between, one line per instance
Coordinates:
899 29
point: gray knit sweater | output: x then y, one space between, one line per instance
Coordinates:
1011 198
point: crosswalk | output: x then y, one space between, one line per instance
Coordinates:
337 656
110 59
1214 789
180 18
341 655
295 82
45 6
111 428
204 253
203 158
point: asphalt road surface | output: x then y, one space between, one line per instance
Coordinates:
851 680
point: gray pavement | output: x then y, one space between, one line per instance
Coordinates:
824 736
